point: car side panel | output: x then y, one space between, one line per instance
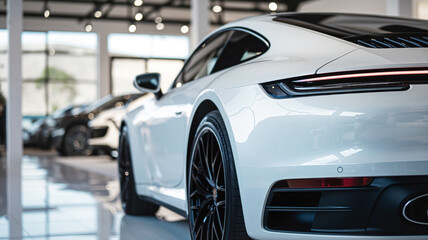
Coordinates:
161 147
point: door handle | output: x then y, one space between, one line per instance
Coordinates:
178 113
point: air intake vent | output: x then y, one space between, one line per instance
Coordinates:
391 41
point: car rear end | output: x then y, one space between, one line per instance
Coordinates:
332 159
338 154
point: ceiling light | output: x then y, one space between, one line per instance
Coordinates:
273 6
160 26
158 20
46 13
132 28
184 29
98 14
88 27
138 3
138 16
217 8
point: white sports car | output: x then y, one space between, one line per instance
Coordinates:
288 126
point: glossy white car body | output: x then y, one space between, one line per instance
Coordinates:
290 138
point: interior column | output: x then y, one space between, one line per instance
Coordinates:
401 8
200 21
14 118
103 65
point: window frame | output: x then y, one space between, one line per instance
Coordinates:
242 29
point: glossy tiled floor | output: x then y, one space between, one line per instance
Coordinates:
73 199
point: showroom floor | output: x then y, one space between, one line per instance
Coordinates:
77 198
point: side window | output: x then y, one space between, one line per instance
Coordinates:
242 46
204 59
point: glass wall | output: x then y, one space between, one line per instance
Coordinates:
72 68
58 69
125 69
133 54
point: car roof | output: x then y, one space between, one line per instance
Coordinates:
344 25
359 29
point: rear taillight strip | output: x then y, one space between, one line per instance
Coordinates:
347 82
362 75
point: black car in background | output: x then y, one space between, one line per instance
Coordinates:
70 133
39 133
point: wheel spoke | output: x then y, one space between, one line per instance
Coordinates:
220 223
209 225
216 224
200 185
194 193
214 163
221 203
199 233
205 165
200 217
217 178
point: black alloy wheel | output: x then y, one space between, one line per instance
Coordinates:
214 204
132 204
76 141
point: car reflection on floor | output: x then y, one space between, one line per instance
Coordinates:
63 202
150 228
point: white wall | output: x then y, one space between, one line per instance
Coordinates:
421 9
349 6
406 8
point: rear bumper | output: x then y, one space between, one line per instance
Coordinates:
375 210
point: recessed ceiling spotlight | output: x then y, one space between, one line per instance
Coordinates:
184 29
88 27
273 6
217 8
138 3
158 19
160 26
98 14
132 28
46 13
138 16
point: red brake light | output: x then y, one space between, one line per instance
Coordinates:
330 182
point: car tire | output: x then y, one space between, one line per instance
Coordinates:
76 142
213 197
132 204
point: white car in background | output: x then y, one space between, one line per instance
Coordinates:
295 126
105 130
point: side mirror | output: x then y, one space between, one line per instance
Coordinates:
148 82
